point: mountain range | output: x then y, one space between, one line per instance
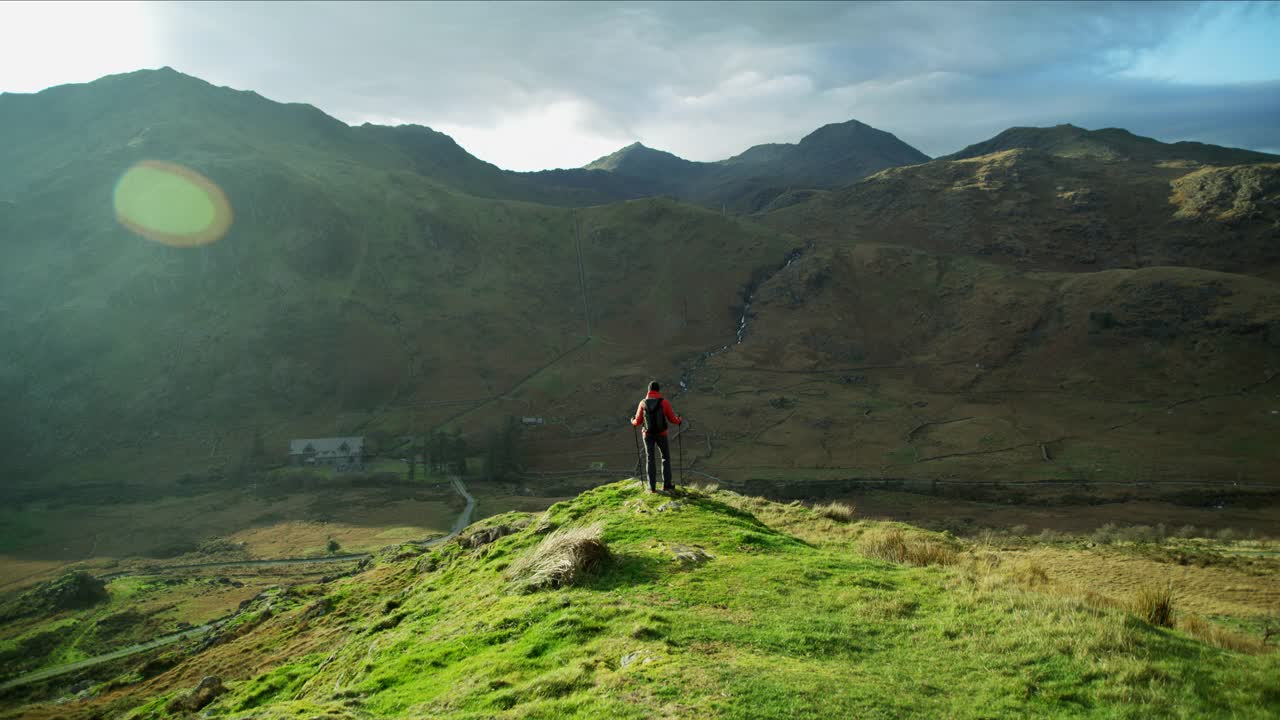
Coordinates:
1050 304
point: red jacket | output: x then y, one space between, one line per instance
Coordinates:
638 420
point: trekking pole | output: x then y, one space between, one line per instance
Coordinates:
635 435
680 442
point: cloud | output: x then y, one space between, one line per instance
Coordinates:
528 86
43 43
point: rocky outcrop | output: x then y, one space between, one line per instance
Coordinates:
484 536
207 691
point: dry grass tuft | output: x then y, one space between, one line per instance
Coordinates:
704 488
1201 629
838 511
1098 601
896 546
561 559
1029 573
1155 605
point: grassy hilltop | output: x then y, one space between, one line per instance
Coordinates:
712 605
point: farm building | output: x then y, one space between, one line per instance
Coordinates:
345 453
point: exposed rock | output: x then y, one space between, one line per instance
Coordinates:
484 536
403 552
210 687
428 564
319 608
671 506
689 555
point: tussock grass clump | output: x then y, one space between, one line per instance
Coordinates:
1155 605
896 546
1029 573
561 559
838 511
1208 632
1098 601
1104 535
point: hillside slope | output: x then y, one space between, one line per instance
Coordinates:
1027 315
1040 211
1018 316
350 287
711 606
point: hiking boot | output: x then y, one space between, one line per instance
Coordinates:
668 488
653 489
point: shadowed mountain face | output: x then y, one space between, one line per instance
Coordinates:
350 280
1080 303
831 156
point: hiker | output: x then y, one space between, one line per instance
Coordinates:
654 411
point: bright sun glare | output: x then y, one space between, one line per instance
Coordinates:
171 204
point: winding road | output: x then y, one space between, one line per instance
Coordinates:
464 519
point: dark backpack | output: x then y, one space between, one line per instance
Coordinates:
655 421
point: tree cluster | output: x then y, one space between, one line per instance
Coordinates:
502 457
447 452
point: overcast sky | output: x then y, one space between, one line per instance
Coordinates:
541 85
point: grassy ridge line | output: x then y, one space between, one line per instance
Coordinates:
785 615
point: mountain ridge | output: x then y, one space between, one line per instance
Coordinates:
369 265
834 155
1067 140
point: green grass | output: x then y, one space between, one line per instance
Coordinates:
772 626
20 528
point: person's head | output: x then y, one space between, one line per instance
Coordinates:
654 387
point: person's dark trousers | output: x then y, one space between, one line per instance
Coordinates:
665 446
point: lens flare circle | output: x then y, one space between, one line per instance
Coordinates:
171 204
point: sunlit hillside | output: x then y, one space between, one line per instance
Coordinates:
716 605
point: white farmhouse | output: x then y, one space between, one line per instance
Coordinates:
341 452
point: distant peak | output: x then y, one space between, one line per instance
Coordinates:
164 71
857 136
635 157
840 130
